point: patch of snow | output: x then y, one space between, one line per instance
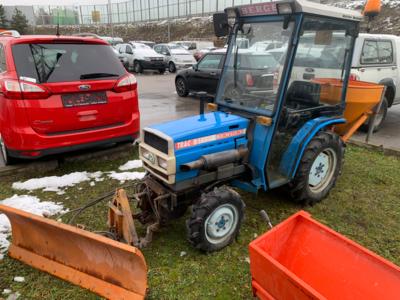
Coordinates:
247 259
183 253
7 291
124 176
27 203
19 279
14 296
1 256
132 164
55 183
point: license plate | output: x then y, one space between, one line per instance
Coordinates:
83 99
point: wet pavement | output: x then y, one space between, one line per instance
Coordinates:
389 135
159 103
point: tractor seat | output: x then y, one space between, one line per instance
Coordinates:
303 94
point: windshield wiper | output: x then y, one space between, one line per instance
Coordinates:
97 75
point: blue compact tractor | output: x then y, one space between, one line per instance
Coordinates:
272 126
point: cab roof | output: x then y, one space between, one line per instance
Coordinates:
25 39
300 6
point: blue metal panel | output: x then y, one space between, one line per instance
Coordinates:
293 154
199 127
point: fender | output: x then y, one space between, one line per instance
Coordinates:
388 82
293 154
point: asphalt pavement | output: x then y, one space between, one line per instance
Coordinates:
159 103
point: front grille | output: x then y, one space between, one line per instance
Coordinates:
156 58
156 142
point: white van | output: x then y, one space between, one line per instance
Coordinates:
376 59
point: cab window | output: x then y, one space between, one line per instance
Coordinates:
377 52
385 50
211 61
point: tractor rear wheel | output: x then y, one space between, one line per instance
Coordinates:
319 169
215 219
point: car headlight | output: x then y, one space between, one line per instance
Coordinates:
162 163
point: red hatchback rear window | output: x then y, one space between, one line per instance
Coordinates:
43 63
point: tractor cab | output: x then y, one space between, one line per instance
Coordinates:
287 98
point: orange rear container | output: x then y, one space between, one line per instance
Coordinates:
303 259
361 98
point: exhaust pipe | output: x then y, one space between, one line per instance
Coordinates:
213 161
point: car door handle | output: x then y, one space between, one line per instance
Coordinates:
213 73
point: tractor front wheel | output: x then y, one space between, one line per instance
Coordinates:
215 219
319 169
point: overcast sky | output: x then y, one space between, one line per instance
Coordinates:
51 2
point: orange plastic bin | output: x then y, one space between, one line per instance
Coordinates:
303 259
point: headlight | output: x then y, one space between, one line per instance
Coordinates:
149 156
162 163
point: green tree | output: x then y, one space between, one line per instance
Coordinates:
3 20
19 22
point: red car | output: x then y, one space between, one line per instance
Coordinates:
60 94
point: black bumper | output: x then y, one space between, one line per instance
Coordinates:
153 65
53 151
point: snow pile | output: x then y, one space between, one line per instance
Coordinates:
124 176
56 183
19 279
27 203
132 164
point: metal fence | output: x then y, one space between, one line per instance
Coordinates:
130 11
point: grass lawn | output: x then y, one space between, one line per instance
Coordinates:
364 206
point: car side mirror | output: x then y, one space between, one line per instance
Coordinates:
221 25
195 67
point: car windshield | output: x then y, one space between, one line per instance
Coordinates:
249 81
42 63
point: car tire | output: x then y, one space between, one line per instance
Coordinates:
319 169
171 67
216 219
379 119
8 160
161 71
181 87
137 67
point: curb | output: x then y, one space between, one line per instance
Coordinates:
385 150
51 165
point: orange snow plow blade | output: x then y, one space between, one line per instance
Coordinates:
106 267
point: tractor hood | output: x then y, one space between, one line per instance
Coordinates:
211 126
